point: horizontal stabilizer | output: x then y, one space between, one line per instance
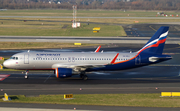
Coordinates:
154 59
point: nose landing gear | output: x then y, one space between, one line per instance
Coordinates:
26 74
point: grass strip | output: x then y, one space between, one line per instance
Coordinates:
85 13
141 100
49 28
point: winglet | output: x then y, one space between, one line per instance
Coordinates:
113 61
97 50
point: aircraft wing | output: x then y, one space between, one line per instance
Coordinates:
78 67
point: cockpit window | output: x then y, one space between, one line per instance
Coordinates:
14 58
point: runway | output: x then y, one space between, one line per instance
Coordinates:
131 81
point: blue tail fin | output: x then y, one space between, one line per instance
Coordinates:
156 44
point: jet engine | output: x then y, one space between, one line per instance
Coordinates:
63 72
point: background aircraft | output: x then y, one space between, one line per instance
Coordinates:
66 64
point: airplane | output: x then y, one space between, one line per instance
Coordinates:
66 64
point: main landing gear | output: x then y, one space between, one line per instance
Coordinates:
26 74
83 76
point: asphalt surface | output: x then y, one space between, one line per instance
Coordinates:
61 107
146 30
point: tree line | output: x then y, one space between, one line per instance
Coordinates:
92 4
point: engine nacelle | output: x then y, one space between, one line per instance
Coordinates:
63 72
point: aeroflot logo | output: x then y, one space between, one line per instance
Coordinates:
47 54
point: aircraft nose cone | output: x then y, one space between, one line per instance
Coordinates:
6 64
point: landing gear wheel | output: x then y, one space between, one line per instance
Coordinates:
84 77
26 77
82 74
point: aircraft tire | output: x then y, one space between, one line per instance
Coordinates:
26 77
84 77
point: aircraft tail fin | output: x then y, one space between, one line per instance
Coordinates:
156 44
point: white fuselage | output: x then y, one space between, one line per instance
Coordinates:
51 60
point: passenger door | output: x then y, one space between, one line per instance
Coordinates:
26 58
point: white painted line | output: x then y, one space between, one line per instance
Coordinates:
47 78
